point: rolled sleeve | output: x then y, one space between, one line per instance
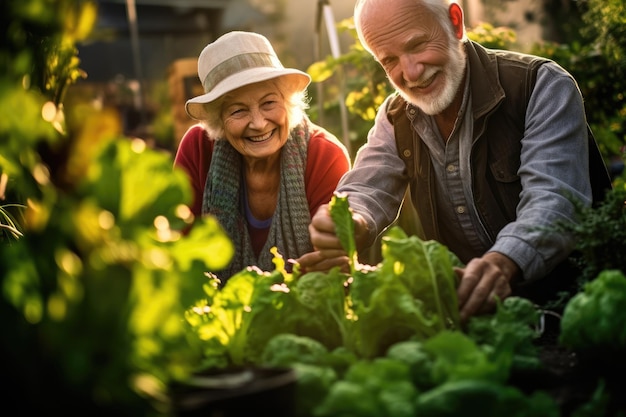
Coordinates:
554 170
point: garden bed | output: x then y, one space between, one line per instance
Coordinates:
569 378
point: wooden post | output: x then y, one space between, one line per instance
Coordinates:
183 85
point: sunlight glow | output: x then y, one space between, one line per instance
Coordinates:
159 258
161 223
280 288
68 262
184 212
106 220
33 311
138 145
398 268
41 174
49 111
57 307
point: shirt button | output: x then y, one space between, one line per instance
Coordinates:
451 168
460 209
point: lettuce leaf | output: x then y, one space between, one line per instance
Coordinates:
341 214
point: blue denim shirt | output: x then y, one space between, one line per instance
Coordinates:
554 164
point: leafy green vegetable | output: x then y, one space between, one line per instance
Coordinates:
336 328
595 319
509 334
286 349
238 320
420 362
600 235
312 363
410 294
482 398
322 297
314 383
457 357
414 287
348 399
426 268
341 214
380 387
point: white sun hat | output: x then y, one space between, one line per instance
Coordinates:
236 59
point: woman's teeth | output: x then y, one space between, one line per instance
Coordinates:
261 138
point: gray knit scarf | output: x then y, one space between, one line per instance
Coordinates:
223 199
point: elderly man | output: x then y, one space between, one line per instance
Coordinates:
493 145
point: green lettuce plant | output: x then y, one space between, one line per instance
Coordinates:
411 293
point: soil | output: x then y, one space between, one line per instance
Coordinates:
571 379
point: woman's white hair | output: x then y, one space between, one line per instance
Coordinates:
296 103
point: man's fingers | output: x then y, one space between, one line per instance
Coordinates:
323 260
468 281
333 253
478 299
484 296
327 242
475 289
329 263
309 259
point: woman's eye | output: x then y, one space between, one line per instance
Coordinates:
269 104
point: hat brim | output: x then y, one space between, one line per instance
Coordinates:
296 79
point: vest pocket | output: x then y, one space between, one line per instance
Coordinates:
505 169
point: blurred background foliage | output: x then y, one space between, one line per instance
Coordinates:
596 57
95 275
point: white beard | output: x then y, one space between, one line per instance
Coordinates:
438 101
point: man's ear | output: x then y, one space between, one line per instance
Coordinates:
456 17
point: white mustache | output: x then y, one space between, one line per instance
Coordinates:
424 80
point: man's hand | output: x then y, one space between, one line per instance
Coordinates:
482 281
327 250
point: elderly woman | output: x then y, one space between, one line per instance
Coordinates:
256 162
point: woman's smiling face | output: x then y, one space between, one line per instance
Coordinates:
255 119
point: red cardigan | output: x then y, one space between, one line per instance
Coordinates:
327 161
